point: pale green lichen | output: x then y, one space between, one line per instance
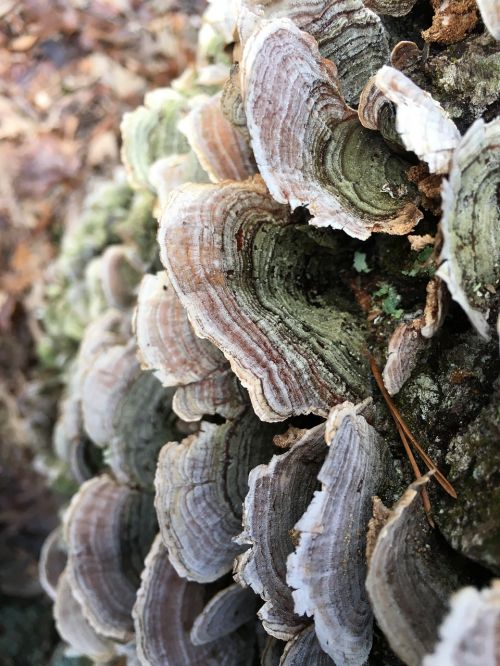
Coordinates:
466 77
74 296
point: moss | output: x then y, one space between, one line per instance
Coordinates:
422 264
389 299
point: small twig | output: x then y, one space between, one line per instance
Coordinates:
403 429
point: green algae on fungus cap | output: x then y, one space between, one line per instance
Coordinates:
309 145
200 486
150 132
168 346
109 529
328 568
128 412
232 103
278 495
410 575
264 289
348 34
166 608
470 257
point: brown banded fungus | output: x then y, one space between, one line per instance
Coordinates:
228 610
167 345
309 145
200 487
372 104
167 173
305 650
471 250
164 612
222 151
328 569
404 346
108 529
295 351
435 307
410 576
70 439
278 495
217 394
348 34
120 270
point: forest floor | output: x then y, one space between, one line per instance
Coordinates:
68 72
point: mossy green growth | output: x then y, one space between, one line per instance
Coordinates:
104 210
295 280
114 214
138 226
422 266
144 421
356 165
150 132
388 299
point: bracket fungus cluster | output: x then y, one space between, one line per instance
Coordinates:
223 414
